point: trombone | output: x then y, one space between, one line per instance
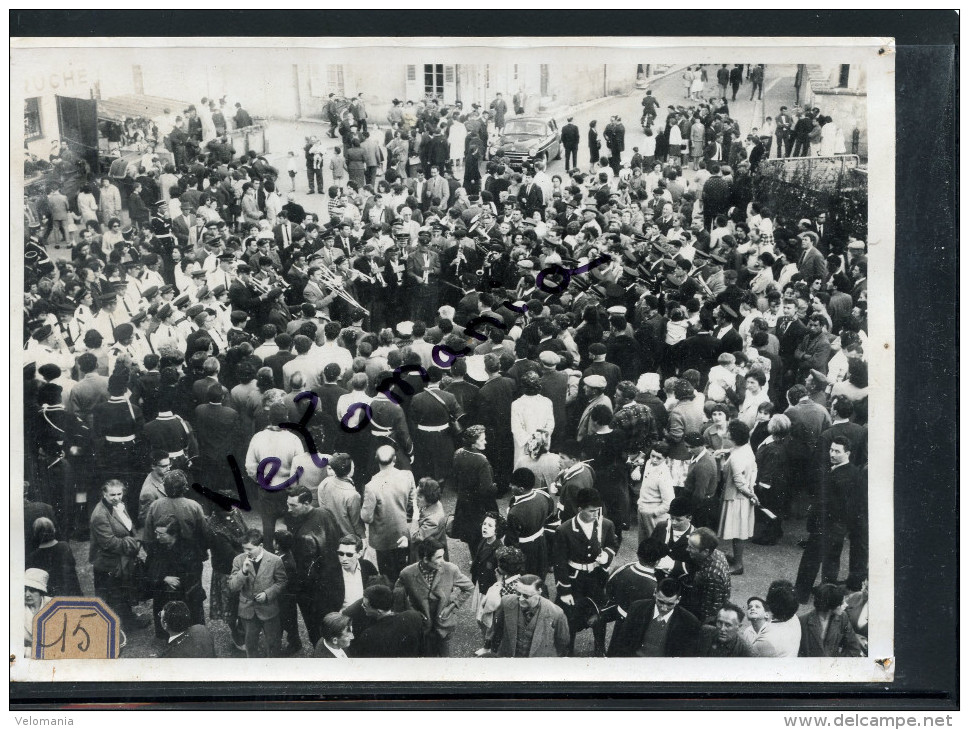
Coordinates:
334 283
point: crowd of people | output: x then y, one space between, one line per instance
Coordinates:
630 354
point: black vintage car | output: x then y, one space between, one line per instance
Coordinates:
527 139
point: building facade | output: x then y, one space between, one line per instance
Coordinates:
280 90
840 91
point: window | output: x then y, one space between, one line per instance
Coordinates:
843 76
515 73
449 74
434 79
334 80
32 128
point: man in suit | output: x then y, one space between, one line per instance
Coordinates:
387 507
259 577
336 637
286 232
530 195
185 230
437 188
715 195
278 360
60 213
347 585
526 624
811 264
840 511
570 142
657 627
856 434
826 234
700 486
783 130
219 434
436 589
790 332
736 79
389 634
323 422
185 641
808 421
494 413
113 544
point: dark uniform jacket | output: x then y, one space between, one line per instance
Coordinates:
573 547
528 517
632 582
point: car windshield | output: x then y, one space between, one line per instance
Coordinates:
528 127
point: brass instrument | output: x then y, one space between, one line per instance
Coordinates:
333 282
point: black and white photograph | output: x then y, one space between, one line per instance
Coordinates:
462 350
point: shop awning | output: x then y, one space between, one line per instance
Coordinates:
119 108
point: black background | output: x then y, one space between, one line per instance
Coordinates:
926 394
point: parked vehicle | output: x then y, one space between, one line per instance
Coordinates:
527 139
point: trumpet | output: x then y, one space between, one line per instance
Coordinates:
357 274
259 286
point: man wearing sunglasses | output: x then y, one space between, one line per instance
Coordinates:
346 586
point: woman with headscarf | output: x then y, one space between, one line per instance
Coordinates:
475 485
530 413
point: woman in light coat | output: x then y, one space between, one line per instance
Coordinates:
739 499
457 137
656 490
529 413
